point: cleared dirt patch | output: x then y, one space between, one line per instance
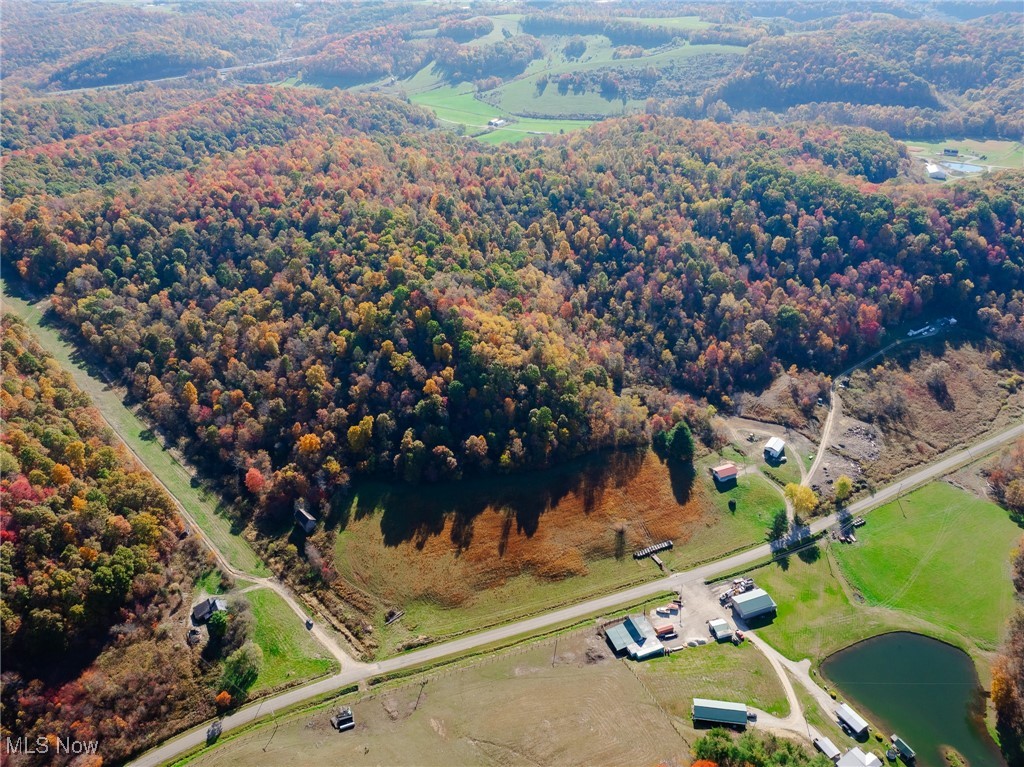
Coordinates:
924 401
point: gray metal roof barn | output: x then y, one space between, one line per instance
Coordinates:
719 711
754 603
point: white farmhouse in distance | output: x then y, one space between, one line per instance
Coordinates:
936 171
496 122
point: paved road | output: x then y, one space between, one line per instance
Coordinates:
176 746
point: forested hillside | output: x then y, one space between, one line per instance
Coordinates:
90 567
341 302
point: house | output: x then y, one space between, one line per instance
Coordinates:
202 611
719 712
753 604
304 519
727 472
857 758
720 629
935 171
496 122
775 449
828 748
636 637
851 719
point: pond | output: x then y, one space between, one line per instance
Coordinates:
964 167
924 690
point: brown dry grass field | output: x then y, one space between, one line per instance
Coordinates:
929 421
458 558
555 702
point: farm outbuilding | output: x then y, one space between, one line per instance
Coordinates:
753 604
851 719
202 611
935 171
636 637
775 449
828 748
719 712
857 758
720 629
726 472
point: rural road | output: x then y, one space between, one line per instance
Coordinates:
178 745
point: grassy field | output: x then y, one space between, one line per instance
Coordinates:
561 701
488 551
942 555
943 570
290 654
455 104
1000 154
204 506
672 22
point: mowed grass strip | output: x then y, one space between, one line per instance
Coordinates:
204 506
940 554
705 672
290 654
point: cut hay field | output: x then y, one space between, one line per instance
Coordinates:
999 154
919 424
486 551
942 555
564 702
936 562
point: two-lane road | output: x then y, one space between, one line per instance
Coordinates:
182 743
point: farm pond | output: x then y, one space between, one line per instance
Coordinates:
924 690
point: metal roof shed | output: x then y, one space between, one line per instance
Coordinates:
719 711
828 748
753 603
720 629
851 719
775 447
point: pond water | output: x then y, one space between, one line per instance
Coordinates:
964 167
924 690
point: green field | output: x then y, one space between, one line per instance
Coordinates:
290 654
999 154
456 105
941 571
941 555
204 506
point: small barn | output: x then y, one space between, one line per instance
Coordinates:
828 748
857 758
753 604
202 611
496 122
904 749
935 171
305 520
854 721
720 629
775 449
725 473
635 637
719 712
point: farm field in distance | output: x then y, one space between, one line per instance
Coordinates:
999 154
487 552
489 711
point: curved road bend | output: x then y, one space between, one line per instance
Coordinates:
181 743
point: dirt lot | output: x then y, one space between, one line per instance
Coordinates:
918 404
792 401
564 702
